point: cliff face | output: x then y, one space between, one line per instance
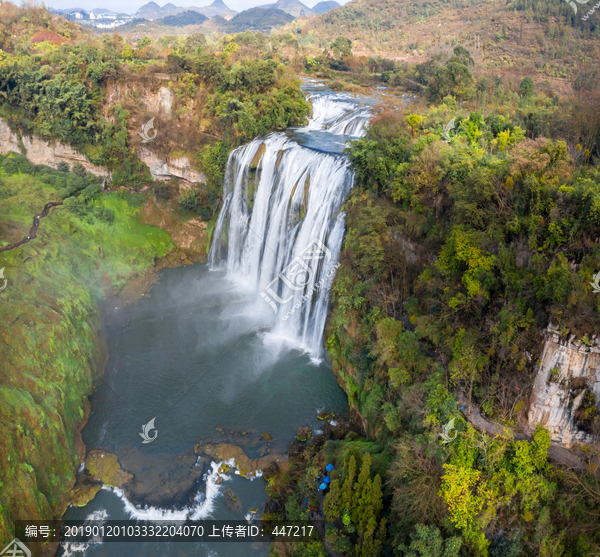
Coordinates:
173 119
567 388
39 151
165 168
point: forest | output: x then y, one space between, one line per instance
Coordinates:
461 247
472 226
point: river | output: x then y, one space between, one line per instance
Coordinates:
231 349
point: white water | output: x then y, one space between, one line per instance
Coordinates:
339 114
281 229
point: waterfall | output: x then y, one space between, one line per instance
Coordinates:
339 114
280 229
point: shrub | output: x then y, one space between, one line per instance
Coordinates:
15 164
79 170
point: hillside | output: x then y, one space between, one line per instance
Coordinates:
188 17
254 19
323 7
548 42
292 7
152 11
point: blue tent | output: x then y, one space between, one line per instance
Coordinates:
327 480
329 468
323 487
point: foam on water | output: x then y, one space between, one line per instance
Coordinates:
201 509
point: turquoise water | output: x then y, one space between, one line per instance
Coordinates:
201 356
195 354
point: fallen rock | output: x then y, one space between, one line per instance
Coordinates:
270 471
303 434
295 449
246 466
104 467
224 468
233 502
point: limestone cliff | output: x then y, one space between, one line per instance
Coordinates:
567 388
165 168
39 151
173 118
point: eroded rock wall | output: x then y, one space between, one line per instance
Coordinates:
39 151
568 376
154 99
165 168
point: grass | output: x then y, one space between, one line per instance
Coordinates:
50 334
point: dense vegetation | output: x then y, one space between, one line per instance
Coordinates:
461 247
188 17
54 80
51 349
463 243
257 19
55 84
544 39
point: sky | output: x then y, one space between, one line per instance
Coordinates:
131 6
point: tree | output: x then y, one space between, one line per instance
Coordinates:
342 47
527 87
332 506
63 167
467 362
348 481
427 541
361 497
79 170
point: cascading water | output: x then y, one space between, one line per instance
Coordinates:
281 228
339 114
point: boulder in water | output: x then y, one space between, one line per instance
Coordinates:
303 434
224 468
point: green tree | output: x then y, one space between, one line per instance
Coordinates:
427 541
347 494
79 170
526 87
332 505
361 497
342 47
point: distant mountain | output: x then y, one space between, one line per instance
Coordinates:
188 17
254 19
292 7
218 7
152 10
323 7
